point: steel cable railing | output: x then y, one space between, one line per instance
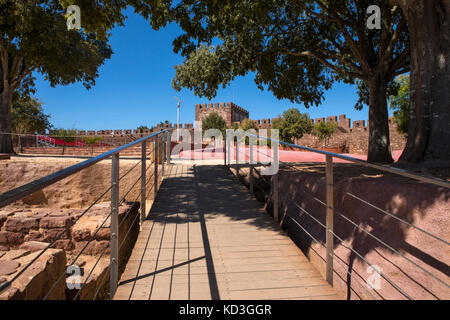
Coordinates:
394 216
19 193
380 241
334 255
354 251
92 238
331 211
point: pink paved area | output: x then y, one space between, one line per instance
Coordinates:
265 155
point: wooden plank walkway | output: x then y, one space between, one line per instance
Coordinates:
206 238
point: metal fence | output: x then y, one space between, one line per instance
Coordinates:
268 187
161 156
63 145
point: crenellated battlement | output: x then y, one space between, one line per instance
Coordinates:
134 132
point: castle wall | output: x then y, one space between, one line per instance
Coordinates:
229 112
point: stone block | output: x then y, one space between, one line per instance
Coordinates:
21 224
8 238
33 246
55 222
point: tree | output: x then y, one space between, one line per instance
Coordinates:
91 141
66 135
400 104
292 125
35 37
324 131
214 121
248 124
296 48
27 116
429 117
142 128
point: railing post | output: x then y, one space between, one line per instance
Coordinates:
276 206
275 197
237 156
225 149
229 151
329 219
168 143
163 157
114 225
143 182
251 166
155 187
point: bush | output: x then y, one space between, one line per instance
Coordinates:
324 131
293 125
400 104
214 121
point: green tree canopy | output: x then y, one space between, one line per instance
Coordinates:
400 104
292 125
296 48
214 121
35 38
248 124
27 116
324 131
67 135
142 128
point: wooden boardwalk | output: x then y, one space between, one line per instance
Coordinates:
206 238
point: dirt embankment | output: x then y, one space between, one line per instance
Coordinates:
376 221
76 191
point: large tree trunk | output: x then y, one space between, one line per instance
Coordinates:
429 119
5 122
379 140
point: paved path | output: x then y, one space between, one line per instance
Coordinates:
206 238
265 155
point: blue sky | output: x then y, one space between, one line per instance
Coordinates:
135 88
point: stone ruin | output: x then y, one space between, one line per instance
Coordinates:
25 232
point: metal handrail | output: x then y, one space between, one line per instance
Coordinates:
23 191
28 189
330 234
401 172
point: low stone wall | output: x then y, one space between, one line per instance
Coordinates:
355 141
25 231
423 205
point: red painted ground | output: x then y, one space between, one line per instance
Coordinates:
265 155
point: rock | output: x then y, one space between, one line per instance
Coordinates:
22 214
2 279
50 235
2 220
8 267
81 234
11 238
2 253
36 198
4 248
34 236
15 254
37 280
55 222
21 224
34 246
103 234
107 223
64 244
93 248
